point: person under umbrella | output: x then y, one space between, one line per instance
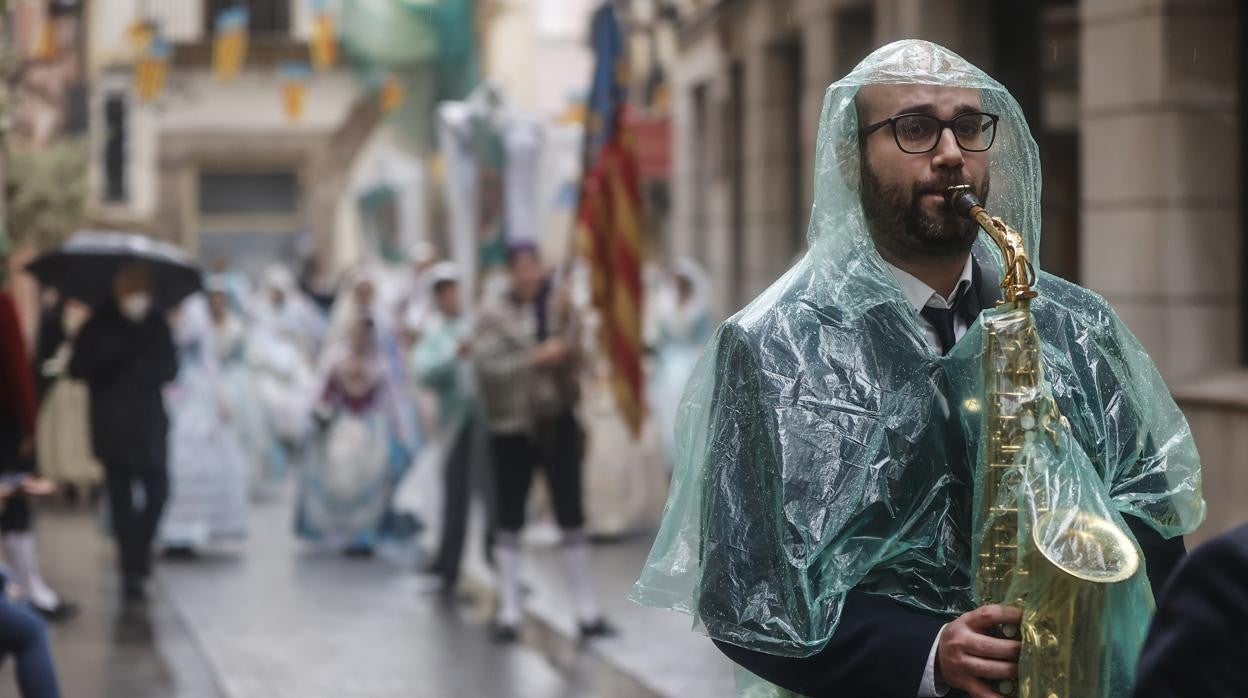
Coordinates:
125 354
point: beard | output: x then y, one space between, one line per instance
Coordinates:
899 224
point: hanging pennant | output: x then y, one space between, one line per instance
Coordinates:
324 45
391 95
152 69
140 34
45 47
229 48
295 76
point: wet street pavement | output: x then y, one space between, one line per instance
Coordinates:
271 619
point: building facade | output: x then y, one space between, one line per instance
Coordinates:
1137 107
217 166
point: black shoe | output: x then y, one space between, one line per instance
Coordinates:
599 628
62 611
176 552
504 634
132 591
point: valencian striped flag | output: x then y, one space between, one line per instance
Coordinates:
295 76
324 43
229 47
610 218
152 69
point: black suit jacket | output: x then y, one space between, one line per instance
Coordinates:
880 647
125 366
1196 644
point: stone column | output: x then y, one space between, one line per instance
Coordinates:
959 25
1161 236
702 67
758 172
819 51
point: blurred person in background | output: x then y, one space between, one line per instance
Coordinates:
316 285
440 362
63 442
365 295
18 419
126 356
361 451
682 325
282 309
415 304
265 456
282 340
207 466
524 351
22 633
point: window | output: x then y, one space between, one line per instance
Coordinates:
785 78
115 148
700 222
231 193
248 219
264 17
855 37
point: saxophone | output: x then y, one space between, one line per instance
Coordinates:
1024 542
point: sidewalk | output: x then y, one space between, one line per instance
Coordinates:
657 654
110 651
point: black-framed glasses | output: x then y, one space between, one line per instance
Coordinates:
919 133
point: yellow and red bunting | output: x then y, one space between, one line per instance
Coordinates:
611 223
151 70
391 95
295 76
324 44
229 46
140 34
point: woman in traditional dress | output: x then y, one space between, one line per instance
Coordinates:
266 457
683 326
285 333
207 465
63 438
361 451
367 293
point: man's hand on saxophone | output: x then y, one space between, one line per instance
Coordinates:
968 657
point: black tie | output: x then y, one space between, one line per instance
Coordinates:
942 321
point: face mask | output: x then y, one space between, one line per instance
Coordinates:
136 306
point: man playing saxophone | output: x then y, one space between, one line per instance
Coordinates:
820 527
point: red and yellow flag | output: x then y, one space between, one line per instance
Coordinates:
229 47
610 219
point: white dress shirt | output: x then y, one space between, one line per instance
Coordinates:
921 295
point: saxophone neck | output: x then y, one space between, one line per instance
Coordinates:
1019 274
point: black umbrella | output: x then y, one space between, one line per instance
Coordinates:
84 267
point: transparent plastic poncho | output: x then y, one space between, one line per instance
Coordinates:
824 446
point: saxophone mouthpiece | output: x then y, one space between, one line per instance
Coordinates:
962 199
